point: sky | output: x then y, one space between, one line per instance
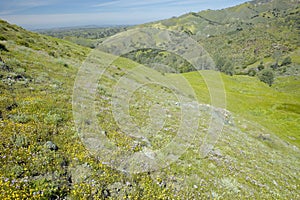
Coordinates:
36 14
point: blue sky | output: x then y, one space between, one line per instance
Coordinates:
61 13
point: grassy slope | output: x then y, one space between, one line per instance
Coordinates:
37 108
276 108
246 158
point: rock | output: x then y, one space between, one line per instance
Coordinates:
265 136
128 184
216 152
162 184
115 190
12 106
50 145
105 193
81 173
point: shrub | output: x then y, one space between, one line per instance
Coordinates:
274 65
53 54
19 140
13 62
2 47
261 66
286 61
252 72
17 171
219 62
23 43
20 118
228 68
2 37
53 118
283 70
266 76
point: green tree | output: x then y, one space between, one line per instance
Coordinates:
276 56
224 65
266 76
220 62
228 68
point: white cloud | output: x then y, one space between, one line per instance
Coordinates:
104 4
137 3
182 3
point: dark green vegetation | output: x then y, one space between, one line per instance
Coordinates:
164 58
241 37
256 157
88 37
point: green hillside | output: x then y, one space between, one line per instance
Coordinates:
75 123
276 108
243 39
246 34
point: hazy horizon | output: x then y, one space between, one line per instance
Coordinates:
35 14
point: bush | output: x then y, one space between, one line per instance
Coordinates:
219 62
286 61
53 118
19 140
53 54
266 76
224 65
2 47
13 62
2 37
23 43
20 118
252 72
261 66
228 68
274 65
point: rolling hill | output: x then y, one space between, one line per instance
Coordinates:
250 33
240 39
78 123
